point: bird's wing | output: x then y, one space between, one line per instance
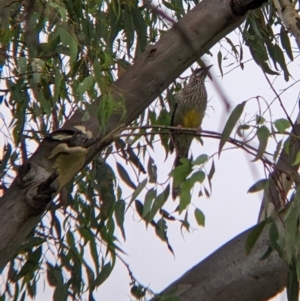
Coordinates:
173 114
172 146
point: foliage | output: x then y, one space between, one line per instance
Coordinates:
62 55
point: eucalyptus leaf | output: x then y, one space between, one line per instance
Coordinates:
230 124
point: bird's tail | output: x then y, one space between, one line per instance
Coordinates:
176 189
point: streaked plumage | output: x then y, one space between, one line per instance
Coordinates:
188 112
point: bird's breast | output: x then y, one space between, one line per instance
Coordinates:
192 119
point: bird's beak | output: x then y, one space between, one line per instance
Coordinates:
206 68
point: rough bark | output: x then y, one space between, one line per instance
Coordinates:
229 274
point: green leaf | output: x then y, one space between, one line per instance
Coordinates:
150 195
297 160
259 54
137 191
54 275
274 236
61 292
185 223
158 203
152 171
286 43
220 62
94 253
197 176
185 195
105 272
231 122
265 67
57 87
286 145
206 192
67 40
281 60
256 28
233 47
33 242
90 273
85 85
62 11
114 23
181 172
161 229
170 6
200 160
124 176
253 237
212 171
97 72
134 159
292 287
272 54
291 219
71 240
4 160
258 186
120 216
105 184
263 135
141 29
105 109
200 217
179 5
139 207
267 253
282 125
106 62
242 128
32 263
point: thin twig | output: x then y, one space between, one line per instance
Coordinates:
280 102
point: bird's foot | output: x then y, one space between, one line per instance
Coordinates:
199 130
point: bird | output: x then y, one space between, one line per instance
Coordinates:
188 112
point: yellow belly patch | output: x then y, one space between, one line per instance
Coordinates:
192 119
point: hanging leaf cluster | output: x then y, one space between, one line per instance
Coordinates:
266 46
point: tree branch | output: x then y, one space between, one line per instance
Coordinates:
230 275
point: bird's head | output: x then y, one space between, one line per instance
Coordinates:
199 74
